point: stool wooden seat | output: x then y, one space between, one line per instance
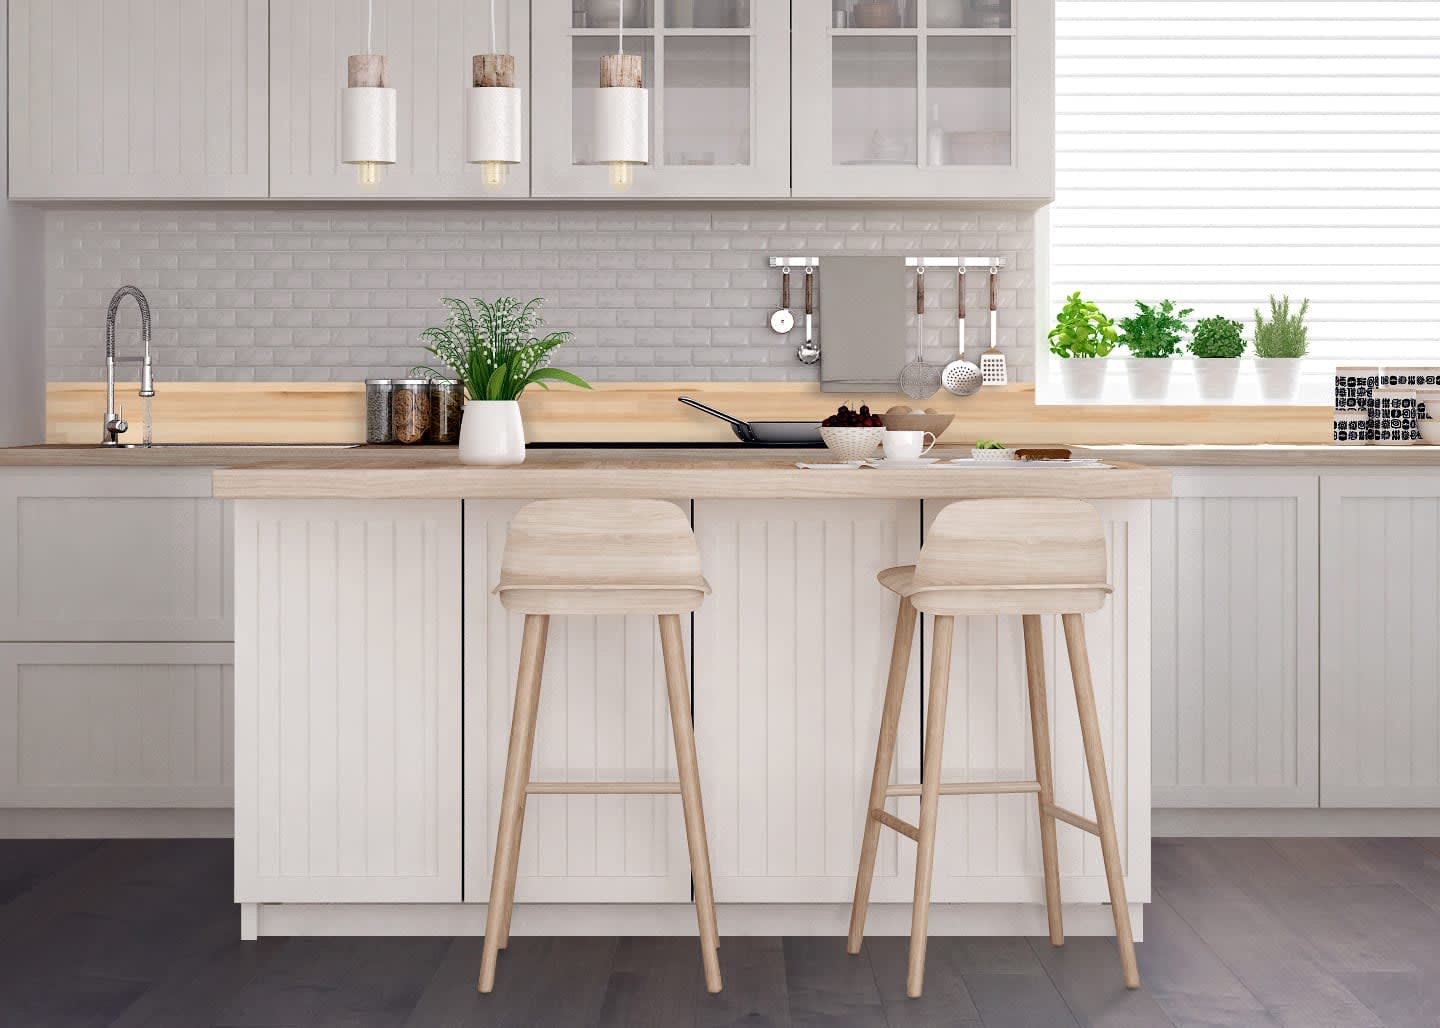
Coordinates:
599 557
1026 557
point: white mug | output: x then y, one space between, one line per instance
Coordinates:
907 445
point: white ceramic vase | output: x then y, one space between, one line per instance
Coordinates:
1083 378
491 432
1149 378
1279 377
1216 377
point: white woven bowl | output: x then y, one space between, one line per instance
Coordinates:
992 455
853 443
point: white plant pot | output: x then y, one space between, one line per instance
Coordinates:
491 432
1149 378
1279 377
1216 377
1083 378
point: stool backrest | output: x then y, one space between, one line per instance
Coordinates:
600 544
1019 542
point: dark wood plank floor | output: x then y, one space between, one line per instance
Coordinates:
1306 932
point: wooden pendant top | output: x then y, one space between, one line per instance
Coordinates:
622 70
369 71
495 70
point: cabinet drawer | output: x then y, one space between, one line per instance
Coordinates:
114 555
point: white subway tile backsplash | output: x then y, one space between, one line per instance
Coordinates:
652 294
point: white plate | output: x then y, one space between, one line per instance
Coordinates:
898 465
848 465
1078 462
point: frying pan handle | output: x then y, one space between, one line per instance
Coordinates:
994 295
742 428
962 292
809 290
785 289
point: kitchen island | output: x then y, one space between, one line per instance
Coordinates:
374 674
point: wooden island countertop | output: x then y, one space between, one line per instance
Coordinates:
727 473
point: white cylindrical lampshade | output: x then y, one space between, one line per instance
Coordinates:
367 125
622 125
492 119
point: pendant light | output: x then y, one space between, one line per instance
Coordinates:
367 112
492 114
622 114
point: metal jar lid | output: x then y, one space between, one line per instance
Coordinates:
411 382
379 382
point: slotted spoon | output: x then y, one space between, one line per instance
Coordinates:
919 380
960 376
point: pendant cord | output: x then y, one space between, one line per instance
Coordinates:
369 26
494 46
622 26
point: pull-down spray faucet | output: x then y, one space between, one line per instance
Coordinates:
115 423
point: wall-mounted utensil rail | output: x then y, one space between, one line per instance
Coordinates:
910 262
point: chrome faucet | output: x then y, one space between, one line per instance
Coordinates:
115 423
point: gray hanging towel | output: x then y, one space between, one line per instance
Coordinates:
862 323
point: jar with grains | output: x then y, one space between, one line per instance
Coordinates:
410 409
379 427
447 404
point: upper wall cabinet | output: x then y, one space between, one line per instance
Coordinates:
430 44
718 72
924 98
143 99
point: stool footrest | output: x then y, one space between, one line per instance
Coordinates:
602 788
966 788
889 820
1072 818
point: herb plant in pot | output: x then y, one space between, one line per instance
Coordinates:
496 352
1082 335
1153 336
1217 344
1280 343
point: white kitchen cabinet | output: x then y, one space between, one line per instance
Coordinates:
603 717
348 702
955 99
113 555
138 99
719 78
1236 625
791 654
122 725
429 44
1380 645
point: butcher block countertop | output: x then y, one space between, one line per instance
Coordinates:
732 473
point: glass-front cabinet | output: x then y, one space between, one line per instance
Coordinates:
924 98
718 74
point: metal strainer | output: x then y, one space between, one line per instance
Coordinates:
919 380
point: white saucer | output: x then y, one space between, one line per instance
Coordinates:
898 465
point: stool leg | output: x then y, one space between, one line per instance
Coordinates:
1100 790
884 757
672 645
943 643
512 802
1044 773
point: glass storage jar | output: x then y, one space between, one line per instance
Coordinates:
379 424
410 409
447 405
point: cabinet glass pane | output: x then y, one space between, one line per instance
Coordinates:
707 100
968 14
874 80
968 100
605 14
585 74
708 14
874 14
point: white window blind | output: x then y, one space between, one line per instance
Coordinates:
1216 151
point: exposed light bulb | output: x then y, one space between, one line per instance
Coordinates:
622 176
492 175
370 174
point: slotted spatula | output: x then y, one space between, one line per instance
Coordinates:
992 361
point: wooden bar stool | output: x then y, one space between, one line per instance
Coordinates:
1038 557
598 557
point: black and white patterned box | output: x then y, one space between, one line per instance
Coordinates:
1393 416
1408 378
1353 387
1352 428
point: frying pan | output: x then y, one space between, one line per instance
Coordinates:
765 433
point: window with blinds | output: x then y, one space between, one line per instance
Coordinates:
1218 151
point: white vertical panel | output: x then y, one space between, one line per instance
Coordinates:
1236 638
154 99
603 716
429 44
791 655
348 788
1380 725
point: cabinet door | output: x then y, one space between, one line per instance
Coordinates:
121 725
792 651
113 555
152 99
719 78
1236 641
430 44
603 717
347 701
947 98
1380 648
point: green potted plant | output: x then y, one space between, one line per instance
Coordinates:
497 352
1280 343
1153 335
1082 335
1217 344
